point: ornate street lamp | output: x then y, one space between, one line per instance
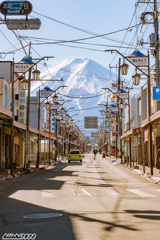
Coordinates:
107 113
113 118
62 110
36 74
66 116
112 97
124 68
61 121
24 84
71 121
106 118
47 105
67 125
56 115
136 78
121 105
55 98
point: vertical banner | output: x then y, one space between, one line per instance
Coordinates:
22 107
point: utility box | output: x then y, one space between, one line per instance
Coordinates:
22 24
152 38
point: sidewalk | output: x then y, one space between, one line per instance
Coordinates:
156 172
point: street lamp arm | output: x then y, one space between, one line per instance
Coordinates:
52 93
116 96
64 102
114 50
34 64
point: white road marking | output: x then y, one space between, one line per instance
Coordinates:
112 192
86 193
141 193
46 194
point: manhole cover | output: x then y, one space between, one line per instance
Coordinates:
43 215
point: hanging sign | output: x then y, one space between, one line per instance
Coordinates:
123 95
16 8
113 109
22 107
44 93
22 67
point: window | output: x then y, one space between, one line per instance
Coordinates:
74 152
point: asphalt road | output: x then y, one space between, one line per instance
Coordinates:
93 200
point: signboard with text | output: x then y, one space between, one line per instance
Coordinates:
22 67
90 122
113 109
16 7
156 93
123 95
22 107
44 93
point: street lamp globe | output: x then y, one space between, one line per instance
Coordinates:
112 97
56 115
61 120
124 68
47 105
106 118
67 125
24 84
121 105
55 98
107 113
113 118
71 121
62 110
36 74
66 116
136 78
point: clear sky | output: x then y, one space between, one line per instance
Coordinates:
96 16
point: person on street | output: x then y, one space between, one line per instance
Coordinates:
103 155
95 152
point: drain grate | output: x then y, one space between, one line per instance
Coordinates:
43 215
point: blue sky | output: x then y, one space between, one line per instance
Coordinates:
99 17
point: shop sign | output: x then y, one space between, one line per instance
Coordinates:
123 95
139 61
156 93
44 93
113 109
22 107
22 67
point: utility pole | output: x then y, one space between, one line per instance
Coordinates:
12 122
38 153
117 116
156 26
26 157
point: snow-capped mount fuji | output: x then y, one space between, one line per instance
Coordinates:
83 78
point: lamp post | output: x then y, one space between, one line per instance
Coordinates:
136 79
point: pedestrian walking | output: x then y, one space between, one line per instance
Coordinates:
95 152
103 155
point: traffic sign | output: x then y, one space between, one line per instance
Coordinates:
16 8
156 93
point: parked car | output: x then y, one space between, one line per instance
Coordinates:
74 155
